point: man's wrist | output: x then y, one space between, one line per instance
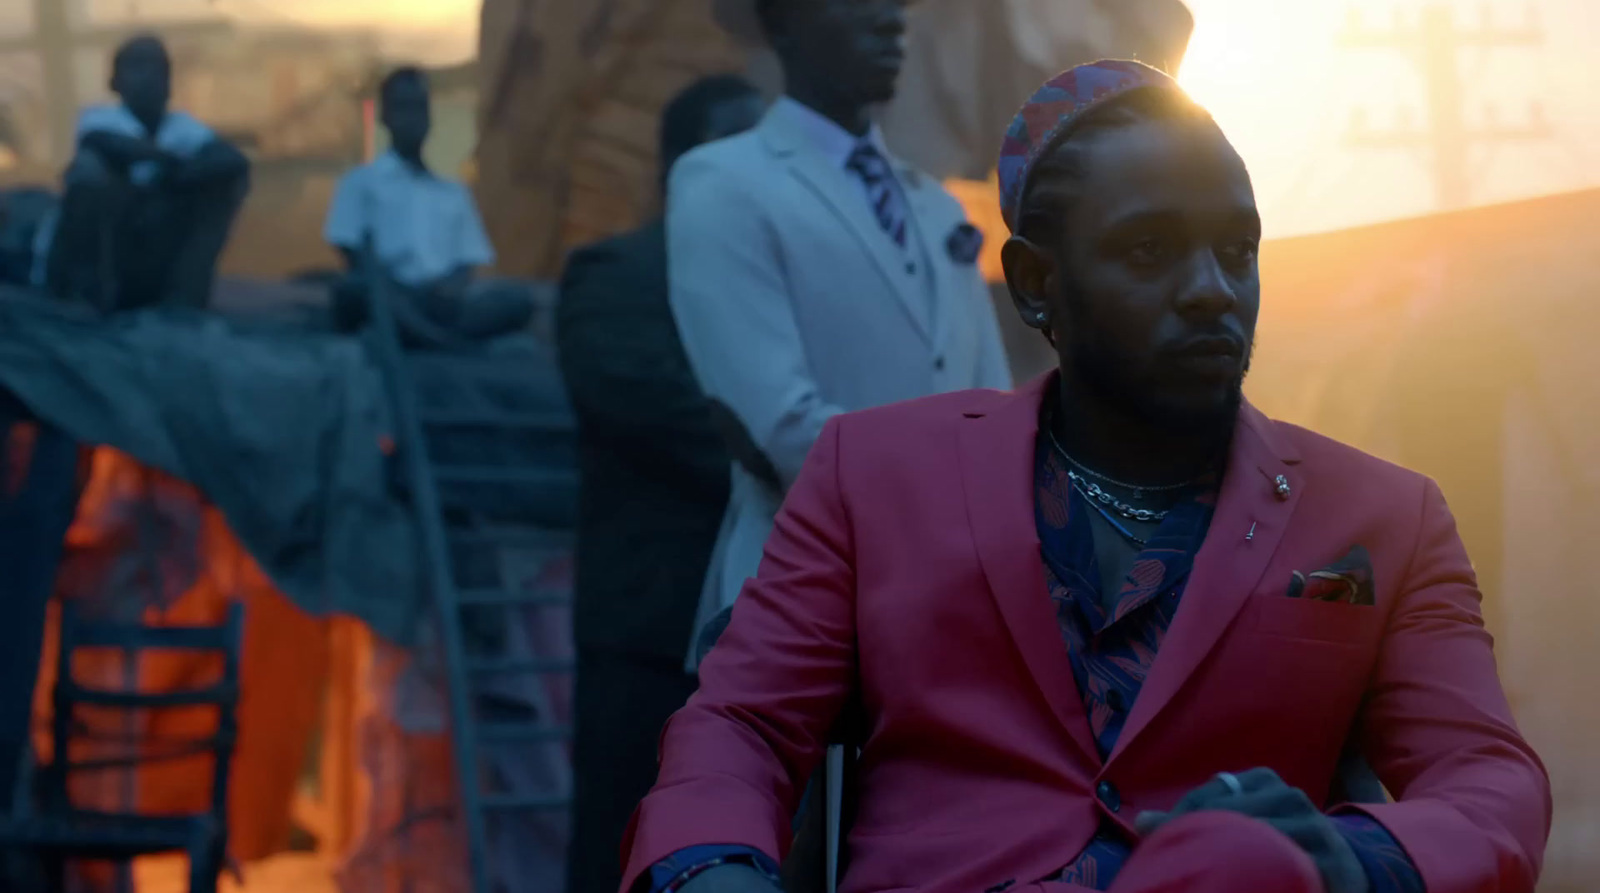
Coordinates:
1384 863
676 872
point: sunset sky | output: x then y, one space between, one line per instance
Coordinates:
447 13
1275 76
1273 73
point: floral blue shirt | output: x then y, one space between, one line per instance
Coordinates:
1112 651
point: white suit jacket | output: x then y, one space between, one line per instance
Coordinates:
794 305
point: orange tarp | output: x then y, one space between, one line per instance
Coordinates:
382 806
285 663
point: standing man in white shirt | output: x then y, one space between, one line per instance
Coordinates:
811 272
150 197
425 231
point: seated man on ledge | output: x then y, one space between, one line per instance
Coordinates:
1111 631
151 196
427 235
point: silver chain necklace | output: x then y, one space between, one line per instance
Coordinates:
1116 525
1086 471
1098 494
1100 510
1091 489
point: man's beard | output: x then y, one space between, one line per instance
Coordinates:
1106 372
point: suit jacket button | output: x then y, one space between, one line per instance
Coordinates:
938 364
1109 796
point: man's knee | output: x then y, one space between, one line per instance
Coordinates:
213 207
497 307
1218 851
508 296
88 170
231 192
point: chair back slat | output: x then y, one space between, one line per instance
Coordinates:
218 695
225 640
134 761
77 632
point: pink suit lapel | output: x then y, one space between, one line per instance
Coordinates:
1253 512
997 453
997 463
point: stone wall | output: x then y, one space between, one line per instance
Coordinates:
571 97
572 93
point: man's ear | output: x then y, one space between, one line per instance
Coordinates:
1031 278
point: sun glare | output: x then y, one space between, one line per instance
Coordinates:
406 14
1248 55
1208 66
1261 68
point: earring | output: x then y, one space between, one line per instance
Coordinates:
1039 317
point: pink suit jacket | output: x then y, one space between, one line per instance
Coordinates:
905 562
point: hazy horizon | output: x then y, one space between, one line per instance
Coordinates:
1277 80
1272 72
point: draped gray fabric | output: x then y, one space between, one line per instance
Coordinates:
279 426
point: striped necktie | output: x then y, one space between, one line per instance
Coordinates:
883 192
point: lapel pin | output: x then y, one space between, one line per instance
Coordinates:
1282 488
1252 534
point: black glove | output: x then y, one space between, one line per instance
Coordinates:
1266 797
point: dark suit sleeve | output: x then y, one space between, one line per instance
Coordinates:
735 759
625 368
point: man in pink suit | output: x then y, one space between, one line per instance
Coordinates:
1114 630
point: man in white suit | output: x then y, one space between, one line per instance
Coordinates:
810 272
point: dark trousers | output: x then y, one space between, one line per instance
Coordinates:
622 703
430 321
119 246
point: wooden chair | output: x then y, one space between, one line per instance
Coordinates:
44 824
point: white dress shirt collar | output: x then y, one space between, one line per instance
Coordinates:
827 137
390 162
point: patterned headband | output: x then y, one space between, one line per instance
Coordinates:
1054 110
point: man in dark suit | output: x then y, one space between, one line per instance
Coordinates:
655 485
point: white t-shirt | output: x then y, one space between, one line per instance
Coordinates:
423 226
179 133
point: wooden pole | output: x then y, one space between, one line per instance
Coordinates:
60 75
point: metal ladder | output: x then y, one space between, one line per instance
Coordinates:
463 670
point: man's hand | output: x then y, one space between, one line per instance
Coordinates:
171 166
1262 795
742 447
731 879
453 285
122 151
